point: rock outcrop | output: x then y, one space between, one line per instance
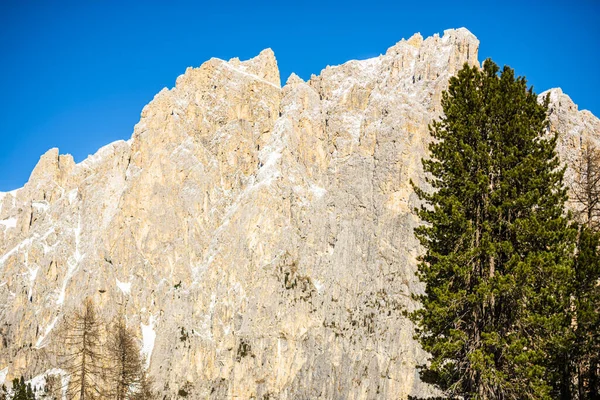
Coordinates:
258 238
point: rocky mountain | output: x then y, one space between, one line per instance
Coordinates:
259 238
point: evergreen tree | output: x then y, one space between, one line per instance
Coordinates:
21 390
29 393
497 244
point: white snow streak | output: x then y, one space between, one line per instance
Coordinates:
39 344
148 338
72 263
269 170
318 285
72 196
124 286
9 223
256 77
32 275
3 372
24 243
41 205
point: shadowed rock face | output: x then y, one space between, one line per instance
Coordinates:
259 238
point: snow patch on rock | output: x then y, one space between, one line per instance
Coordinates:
72 196
3 374
125 287
318 191
148 339
41 205
73 263
9 223
38 383
40 342
32 275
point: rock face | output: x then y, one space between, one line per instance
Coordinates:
258 238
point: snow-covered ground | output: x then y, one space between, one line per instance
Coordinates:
38 383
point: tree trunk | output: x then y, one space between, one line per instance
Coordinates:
594 384
82 391
565 389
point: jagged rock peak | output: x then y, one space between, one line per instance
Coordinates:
294 80
463 43
263 66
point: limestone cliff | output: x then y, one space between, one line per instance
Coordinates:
258 237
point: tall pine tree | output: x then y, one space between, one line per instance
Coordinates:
497 244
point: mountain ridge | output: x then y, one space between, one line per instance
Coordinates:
243 212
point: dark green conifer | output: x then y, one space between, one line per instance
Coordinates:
21 390
497 244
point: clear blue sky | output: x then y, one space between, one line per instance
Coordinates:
76 74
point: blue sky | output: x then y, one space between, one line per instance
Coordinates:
76 74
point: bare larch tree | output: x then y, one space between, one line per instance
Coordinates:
586 188
82 356
144 390
586 294
126 369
